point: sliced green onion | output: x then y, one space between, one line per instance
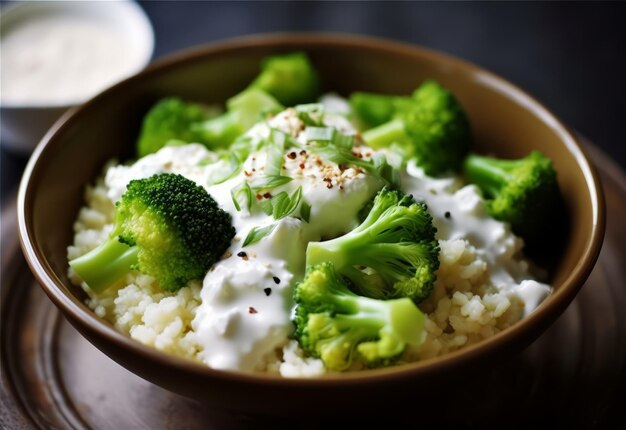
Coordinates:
344 140
275 150
305 211
269 182
227 167
279 204
266 206
386 171
212 157
282 205
311 114
242 196
319 134
258 233
285 205
244 145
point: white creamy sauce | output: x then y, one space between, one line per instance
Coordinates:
57 59
459 213
244 313
246 306
238 322
532 294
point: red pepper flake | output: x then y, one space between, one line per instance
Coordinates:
357 154
303 152
292 155
267 291
368 154
329 185
342 167
243 255
267 195
301 166
252 310
259 196
245 172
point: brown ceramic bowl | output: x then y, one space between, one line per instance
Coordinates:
505 121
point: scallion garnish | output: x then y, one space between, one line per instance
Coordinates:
227 167
242 196
274 150
282 205
320 134
269 182
258 233
305 211
311 114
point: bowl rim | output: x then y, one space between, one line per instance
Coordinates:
548 310
123 7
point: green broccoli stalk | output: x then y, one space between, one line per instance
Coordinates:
290 78
522 192
166 226
392 253
433 129
332 322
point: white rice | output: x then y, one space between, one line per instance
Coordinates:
463 309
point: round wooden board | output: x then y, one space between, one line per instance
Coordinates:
574 374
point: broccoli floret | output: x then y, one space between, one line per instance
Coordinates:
173 119
433 128
170 119
392 253
375 109
333 323
166 226
522 192
290 78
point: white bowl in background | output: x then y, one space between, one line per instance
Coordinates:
24 122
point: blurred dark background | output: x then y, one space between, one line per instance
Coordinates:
570 56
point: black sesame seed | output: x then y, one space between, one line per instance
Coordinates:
276 279
242 254
268 291
447 214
